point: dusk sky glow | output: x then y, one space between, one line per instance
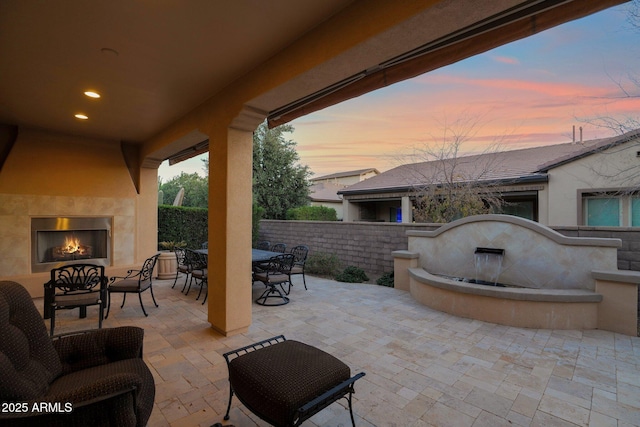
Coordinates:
527 93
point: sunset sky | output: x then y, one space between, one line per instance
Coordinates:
525 94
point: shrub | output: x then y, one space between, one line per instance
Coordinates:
386 280
322 264
352 274
312 213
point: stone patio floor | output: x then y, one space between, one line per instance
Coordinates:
423 367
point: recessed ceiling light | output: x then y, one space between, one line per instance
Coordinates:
81 116
92 94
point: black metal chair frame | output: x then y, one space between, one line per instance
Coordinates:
300 253
198 264
183 267
343 390
264 245
278 247
75 280
276 272
200 273
142 275
190 261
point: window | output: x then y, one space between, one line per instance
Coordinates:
524 206
635 212
602 211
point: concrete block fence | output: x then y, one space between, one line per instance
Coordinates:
369 245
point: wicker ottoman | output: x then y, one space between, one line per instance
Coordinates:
286 382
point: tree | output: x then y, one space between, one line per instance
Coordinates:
279 182
627 90
452 186
626 174
196 190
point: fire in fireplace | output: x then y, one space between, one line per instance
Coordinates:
58 241
72 248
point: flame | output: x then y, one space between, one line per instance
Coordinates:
72 246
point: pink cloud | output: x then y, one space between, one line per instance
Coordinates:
506 60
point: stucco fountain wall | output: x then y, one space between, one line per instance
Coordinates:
560 282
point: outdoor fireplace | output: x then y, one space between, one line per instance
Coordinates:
69 240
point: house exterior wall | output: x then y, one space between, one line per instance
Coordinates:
613 168
543 205
48 174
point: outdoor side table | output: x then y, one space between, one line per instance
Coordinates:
285 382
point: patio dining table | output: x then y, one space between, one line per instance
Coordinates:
257 255
260 255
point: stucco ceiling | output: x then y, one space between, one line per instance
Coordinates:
171 56
156 60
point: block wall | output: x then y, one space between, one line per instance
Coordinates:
369 245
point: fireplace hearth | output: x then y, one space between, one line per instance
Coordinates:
69 240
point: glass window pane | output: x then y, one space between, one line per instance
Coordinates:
521 209
603 212
635 212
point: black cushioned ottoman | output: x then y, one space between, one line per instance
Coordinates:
284 382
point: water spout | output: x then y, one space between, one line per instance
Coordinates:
488 262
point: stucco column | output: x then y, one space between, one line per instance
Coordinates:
407 211
230 173
349 211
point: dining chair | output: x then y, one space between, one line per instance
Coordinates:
136 281
264 245
75 286
300 253
198 269
183 267
201 276
190 261
277 273
278 247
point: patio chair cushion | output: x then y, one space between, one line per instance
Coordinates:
263 276
277 380
78 298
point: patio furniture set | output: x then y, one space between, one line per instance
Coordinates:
100 378
274 268
84 285
193 264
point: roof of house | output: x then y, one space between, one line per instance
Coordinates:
513 166
345 174
326 192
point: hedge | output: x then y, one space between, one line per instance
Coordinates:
179 223
312 213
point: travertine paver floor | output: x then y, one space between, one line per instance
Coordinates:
423 367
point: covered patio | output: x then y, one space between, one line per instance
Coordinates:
423 367
176 81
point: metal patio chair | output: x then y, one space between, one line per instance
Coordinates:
300 253
264 245
136 281
277 273
278 247
75 286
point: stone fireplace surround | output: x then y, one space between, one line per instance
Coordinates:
17 210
